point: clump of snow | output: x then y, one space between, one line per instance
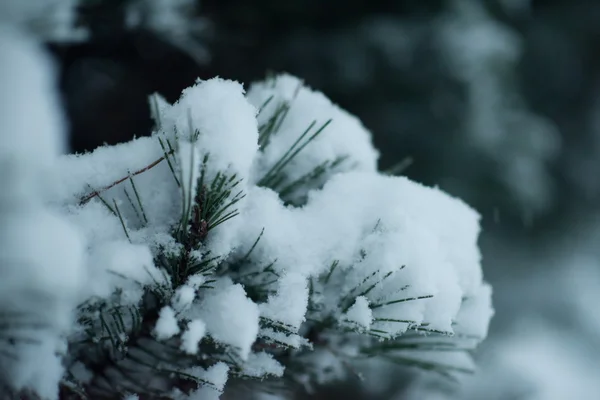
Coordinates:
288 306
262 364
344 137
167 325
231 318
293 341
413 243
83 175
119 264
476 312
405 257
225 122
360 313
190 339
215 375
184 296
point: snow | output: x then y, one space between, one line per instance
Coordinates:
29 145
344 137
83 174
225 121
167 325
184 296
288 306
476 312
262 364
427 240
190 339
120 264
231 318
216 375
360 313
293 341
227 133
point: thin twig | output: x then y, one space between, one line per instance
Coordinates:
87 198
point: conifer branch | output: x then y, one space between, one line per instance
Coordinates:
85 199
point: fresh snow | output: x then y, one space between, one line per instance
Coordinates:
360 313
345 136
190 340
231 318
166 326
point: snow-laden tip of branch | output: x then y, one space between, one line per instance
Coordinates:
217 111
288 306
411 250
287 109
360 313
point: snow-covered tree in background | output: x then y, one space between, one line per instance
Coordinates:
483 54
249 237
41 255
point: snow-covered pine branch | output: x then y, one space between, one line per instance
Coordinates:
252 236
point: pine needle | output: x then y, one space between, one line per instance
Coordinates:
139 200
166 157
247 255
332 268
122 220
401 301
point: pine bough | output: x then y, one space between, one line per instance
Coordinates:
251 237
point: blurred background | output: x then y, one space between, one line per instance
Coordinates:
495 101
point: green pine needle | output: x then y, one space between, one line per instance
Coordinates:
122 220
332 268
139 200
401 301
133 206
167 156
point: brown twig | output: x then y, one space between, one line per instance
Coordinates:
96 193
